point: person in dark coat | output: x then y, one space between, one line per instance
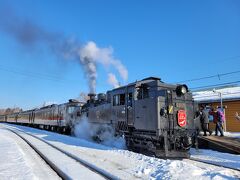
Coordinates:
204 121
217 120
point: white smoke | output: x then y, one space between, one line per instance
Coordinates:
103 133
83 97
82 129
112 80
89 55
103 56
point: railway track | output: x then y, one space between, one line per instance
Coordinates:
62 171
91 167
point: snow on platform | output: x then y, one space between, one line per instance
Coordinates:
232 134
129 165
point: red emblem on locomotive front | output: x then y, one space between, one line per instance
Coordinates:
182 118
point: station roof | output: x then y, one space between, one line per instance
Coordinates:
228 94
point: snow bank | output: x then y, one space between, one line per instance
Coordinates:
154 168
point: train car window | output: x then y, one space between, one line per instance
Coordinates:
130 97
115 100
70 109
162 93
122 99
143 92
119 99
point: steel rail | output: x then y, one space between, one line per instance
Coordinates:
63 175
59 172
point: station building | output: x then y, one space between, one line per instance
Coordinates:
230 97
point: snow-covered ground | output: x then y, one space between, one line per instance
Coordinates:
232 134
119 162
228 134
19 161
226 159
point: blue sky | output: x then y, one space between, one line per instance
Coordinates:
174 40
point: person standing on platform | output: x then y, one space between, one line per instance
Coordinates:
237 116
204 121
218 120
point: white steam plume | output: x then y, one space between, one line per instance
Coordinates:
103 133
89 55
103 56
112 80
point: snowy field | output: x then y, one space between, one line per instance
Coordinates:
18 163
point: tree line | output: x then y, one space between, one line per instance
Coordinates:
10 110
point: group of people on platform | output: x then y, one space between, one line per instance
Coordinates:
218 119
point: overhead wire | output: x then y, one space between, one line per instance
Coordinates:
209 77
214 76
30 74
215 85
38 75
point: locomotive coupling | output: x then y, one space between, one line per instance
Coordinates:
186 142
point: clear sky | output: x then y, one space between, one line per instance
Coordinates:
174 40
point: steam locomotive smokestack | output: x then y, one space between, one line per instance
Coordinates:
91 97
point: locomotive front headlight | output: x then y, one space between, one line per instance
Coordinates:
181 89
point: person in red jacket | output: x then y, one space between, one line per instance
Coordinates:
217 120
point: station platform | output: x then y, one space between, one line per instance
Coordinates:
222 144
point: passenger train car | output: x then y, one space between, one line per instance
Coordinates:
153 116
53 117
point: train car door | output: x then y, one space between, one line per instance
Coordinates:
129 105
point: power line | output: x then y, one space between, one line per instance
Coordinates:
40 75
216 85
29 74
36 73
209 77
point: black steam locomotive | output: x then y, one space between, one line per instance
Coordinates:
152 116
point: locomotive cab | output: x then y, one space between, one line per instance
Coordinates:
164 113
